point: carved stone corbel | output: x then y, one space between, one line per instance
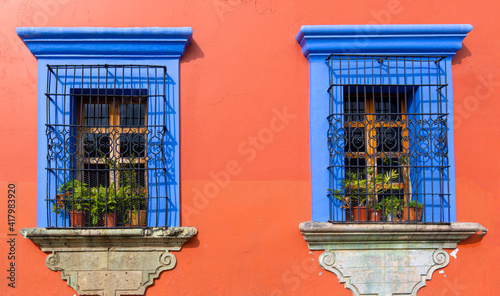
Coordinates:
110 262
385 259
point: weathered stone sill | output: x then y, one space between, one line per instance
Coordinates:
385 259
110 262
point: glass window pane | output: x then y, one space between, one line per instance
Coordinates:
389 139
132 145
387 108
133 175
96 114
354 107
354 140
132 114
356 165
96 145
95 175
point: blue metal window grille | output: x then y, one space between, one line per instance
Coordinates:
388 139
108 147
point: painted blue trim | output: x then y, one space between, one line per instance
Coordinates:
451 144
41 161
382 39
318 42
171 45
320 156
106 42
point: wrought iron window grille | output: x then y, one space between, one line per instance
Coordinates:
388 137
107 157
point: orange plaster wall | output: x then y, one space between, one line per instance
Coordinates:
243 67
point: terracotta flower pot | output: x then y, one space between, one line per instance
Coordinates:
76 219
359 214
109 220
374 215
137 218
414 215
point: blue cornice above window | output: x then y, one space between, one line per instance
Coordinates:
106 42
384 39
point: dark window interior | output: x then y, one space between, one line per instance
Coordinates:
96 114
132 114
95 175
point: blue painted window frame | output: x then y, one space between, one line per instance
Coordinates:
125 46
318 42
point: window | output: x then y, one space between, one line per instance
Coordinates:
381 101
387 138
111 127
108 119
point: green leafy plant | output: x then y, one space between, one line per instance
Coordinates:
104 200
133 201
391 205
73 196
413 212
363 188
111 199
415 204
127 181
403 163
134 195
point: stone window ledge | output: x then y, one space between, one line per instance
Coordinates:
50 239
110 262
385 259
330 236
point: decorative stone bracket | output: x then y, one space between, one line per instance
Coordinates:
110 262
385 259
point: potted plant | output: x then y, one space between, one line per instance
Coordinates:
73 198
359 190
136 212
412 212
375 212
103 205
134 198
391 208
403 162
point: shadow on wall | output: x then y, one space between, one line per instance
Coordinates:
193 243
473 239
192 53
463 53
